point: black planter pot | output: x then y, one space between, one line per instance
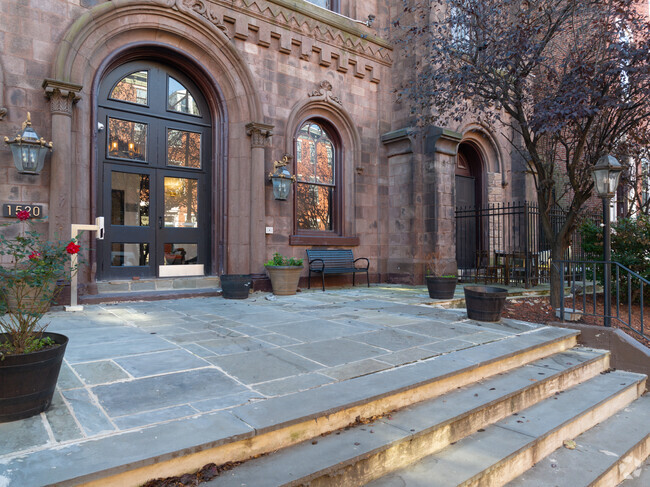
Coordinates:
236 286
441 287
27 381
485 303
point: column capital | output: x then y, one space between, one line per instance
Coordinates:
259 133
62 95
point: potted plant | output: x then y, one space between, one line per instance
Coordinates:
441 280
485 303
235 286
30 358
284 273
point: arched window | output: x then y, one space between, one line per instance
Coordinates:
317 169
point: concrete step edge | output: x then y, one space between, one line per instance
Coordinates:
534 448
603 456
420 441
274 423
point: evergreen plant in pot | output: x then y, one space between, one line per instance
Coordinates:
30 358
284 273
441 282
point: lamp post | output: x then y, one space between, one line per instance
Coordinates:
28 149
606 173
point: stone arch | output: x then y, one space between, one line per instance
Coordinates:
323 106
186 37
486 143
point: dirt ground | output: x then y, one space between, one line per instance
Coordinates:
539 310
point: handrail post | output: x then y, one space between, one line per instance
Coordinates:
561 291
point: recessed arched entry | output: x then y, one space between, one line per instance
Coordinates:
154 153
469 196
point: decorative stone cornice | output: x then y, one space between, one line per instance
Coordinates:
62 95
324 92
260 133
315 34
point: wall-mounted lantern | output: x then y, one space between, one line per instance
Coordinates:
281 178
28 149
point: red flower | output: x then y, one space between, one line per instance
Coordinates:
23 215
34 255
72 248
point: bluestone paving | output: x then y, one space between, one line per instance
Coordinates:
279 358
160 363
100 372
264 365
159 391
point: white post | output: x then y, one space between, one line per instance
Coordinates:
75 229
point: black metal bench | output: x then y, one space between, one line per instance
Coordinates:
334 262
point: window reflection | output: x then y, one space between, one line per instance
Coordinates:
180 253
131 88
179 99
183 148
129 199
127 140
181 202
129 254
315 178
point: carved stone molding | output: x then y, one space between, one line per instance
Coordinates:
260 133
3 112
324 92
62 95
320 36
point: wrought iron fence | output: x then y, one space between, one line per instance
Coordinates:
505 243
629 291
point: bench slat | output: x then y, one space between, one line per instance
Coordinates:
337 261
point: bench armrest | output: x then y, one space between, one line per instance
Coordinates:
363 258
317 260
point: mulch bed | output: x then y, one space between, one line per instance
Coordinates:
539 310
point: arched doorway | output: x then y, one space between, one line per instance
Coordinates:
469 198
154 157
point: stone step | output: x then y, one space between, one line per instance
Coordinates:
153 289
253 429
640 477
603 456
498 453
157 284
360 454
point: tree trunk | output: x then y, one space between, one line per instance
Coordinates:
557 254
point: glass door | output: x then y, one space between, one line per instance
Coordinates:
154 189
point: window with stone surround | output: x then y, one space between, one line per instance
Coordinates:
328 4
317 190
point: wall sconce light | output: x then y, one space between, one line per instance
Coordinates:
29 149
281 178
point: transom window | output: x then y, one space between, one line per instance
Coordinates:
316 179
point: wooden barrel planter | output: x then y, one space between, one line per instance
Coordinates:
236 286
27 381
485 303
441 287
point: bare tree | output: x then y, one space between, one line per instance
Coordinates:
571 78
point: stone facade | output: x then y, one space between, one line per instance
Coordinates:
264 67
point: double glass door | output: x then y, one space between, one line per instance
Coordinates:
155 152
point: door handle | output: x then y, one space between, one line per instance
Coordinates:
160 225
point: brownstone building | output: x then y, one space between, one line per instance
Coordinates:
167 116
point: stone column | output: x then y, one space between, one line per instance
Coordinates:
260 134
440 150
62 98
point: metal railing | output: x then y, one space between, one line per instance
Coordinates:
505 243
585 278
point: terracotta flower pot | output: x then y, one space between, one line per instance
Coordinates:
284 278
